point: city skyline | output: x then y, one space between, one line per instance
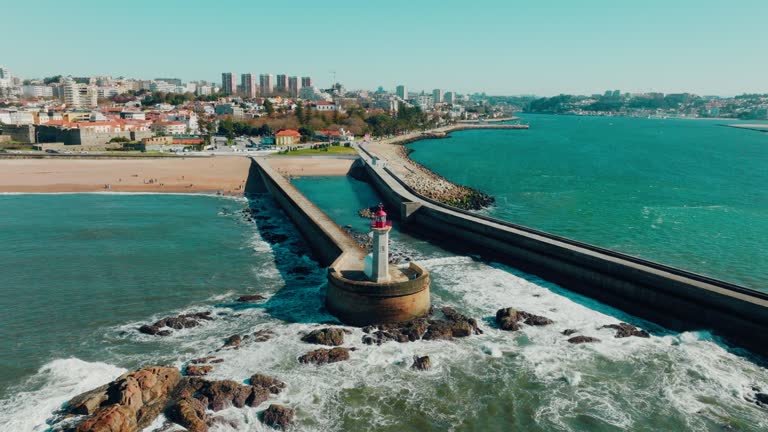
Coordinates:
517 48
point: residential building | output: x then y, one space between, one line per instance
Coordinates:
162 86
228 85
163 127
267 84
133 115
37 91
204 90
313 94
401 92
293 86
173 81
230 109
437 96
324 106
248 84
306 82
80 95
425 102
287 137
282 83
450 97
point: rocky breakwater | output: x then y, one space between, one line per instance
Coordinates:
134 400
451 325
438 188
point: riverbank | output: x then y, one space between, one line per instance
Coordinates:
225 175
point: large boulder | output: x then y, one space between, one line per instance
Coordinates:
274 385
233 341
421 363
510 319
278 416
626 330
534 320
250 298
326 336
194 370
582 339
130 402
190 413
221 394
176 323
323 356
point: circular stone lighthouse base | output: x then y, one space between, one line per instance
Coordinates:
355 300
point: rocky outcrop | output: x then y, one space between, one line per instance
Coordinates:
250 298
262 335
626 330
233 341
327 336
278 416
274 385
189 413
135 399
421 363
194 370
510 319
323 356
454 325
163 326
129 403
582 339
207 359
761 399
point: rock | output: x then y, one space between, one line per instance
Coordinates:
189 413
233 341
262 335
130 402
250 298
274 385
323 356
439 330
461 321
421 363
582 339
568 332
762 398
193 370
510 318
534 320
177 323
278 416
218 360
326 336
199 360
626 330
218 395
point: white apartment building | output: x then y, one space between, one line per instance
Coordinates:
80 95
37 91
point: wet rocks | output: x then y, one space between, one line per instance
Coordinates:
207 359
455 325
367 212
568 332
326 336
510 319
323 356
160 327
128 403
274 385
761 399
219 395
194 370
262 335
189 413
250 298
421 363
233 341
278 416
582 339
626 330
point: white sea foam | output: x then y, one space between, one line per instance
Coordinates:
52 385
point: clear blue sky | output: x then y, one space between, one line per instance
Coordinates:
542 47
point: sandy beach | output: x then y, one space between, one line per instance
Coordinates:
304 166
226 175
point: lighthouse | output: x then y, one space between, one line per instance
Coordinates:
379 258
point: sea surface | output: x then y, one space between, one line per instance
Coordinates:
82 271
688 193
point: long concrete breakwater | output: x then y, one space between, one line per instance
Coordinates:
671 297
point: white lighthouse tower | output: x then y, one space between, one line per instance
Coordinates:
379 259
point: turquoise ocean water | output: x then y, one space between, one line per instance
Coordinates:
692 194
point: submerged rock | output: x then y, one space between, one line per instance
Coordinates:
323 356
582 339
262 335
274 385
421 363
626 330
250 298
568 332
278 416
534 320
176 323
325 336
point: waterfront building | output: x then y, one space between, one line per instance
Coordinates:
228 85
287 137
437 96
282 83
267 84
306 82
293 86
248 85
401 92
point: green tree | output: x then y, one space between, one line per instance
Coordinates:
307 133
299 111
269 108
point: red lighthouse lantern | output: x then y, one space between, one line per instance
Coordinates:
380 219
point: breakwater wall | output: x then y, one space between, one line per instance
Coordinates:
350 296
671 297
